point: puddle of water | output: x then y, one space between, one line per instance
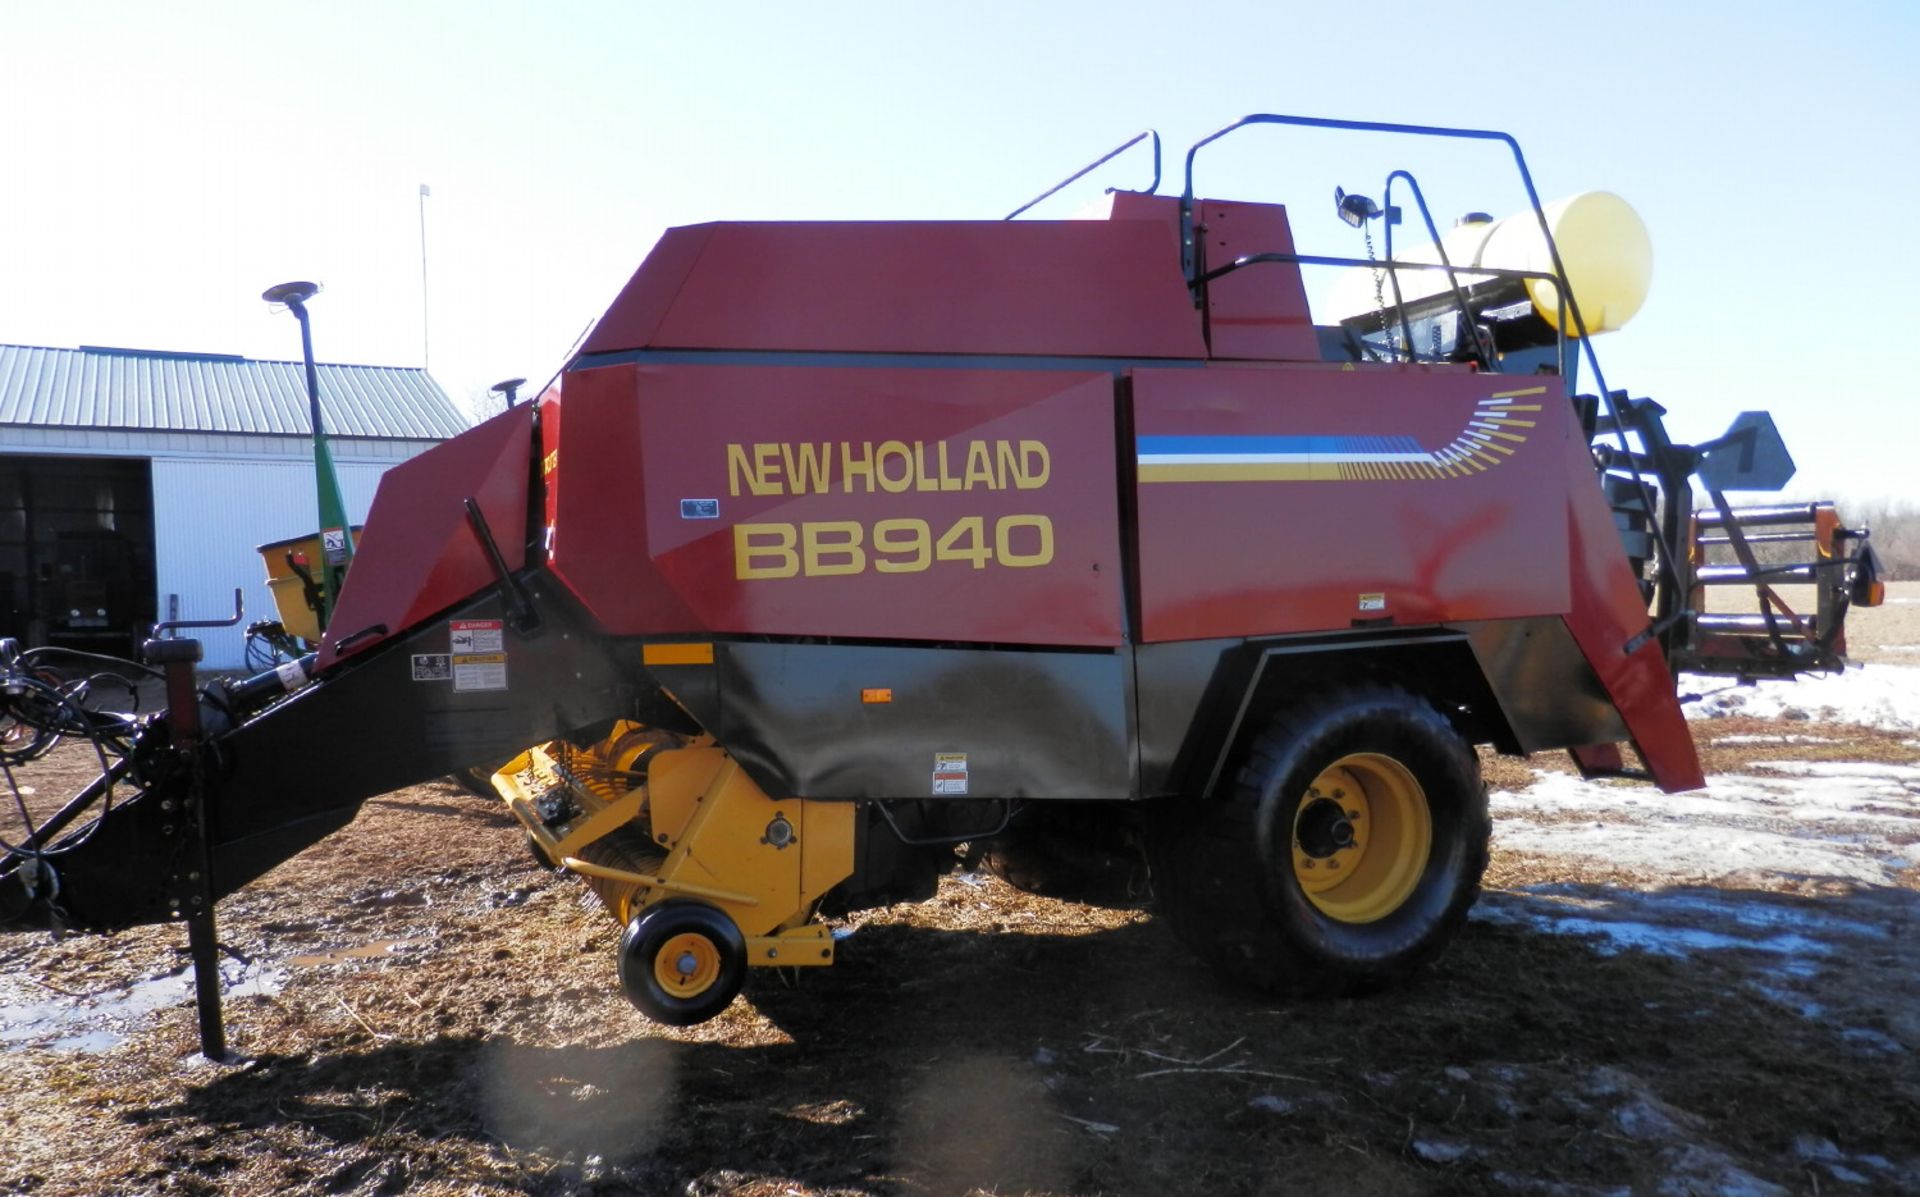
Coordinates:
366 951
98 1021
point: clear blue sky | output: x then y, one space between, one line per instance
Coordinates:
166 162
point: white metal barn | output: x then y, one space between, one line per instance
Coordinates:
135 485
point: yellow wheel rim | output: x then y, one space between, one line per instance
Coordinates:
687 965
1361 838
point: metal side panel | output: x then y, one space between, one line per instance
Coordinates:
1550 695
410 709
431 701
1076 288
1177 681
1606 618
1276 500
1199 700
418 554
879 503
809 720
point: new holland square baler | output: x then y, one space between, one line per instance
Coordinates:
843 544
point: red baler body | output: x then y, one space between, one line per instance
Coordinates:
1015 434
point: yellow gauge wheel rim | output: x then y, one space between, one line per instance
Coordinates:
1362 836
687 965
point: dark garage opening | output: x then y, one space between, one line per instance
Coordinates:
76 551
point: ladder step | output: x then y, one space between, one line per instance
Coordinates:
1743 625
1762 537
1727 575
1755 517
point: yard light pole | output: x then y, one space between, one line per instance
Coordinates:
508 389
336 535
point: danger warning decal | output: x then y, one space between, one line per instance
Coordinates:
949 773
477 636
479 653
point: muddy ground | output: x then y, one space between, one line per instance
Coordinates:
424 1010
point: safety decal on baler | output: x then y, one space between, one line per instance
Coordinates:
479 655
1489 438
950 773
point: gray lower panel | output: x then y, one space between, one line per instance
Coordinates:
1029 724
1549 694
1176 682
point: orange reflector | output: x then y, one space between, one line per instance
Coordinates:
677 654
876 696
1876 594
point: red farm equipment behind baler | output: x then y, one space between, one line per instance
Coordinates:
843 544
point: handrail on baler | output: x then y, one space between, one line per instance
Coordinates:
1668 558
1481 353
1245 260
1102 160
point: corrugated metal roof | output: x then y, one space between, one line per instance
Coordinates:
189 392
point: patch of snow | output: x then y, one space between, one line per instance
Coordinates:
1773 740
1822 819
1878 1041
1439 1151
1870 769
1644 1118
1619 935
1807 1147
1792 1001
1748 913
1882 696
1699 853
1697 909
1699 1170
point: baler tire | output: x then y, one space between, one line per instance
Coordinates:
1234 877
546 863
682 962
477 781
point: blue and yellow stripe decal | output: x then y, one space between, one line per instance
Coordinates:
1499 424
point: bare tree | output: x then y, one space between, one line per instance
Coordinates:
1896 533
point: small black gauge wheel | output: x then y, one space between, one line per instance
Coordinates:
682 961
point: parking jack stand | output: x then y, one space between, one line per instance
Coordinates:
193 891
